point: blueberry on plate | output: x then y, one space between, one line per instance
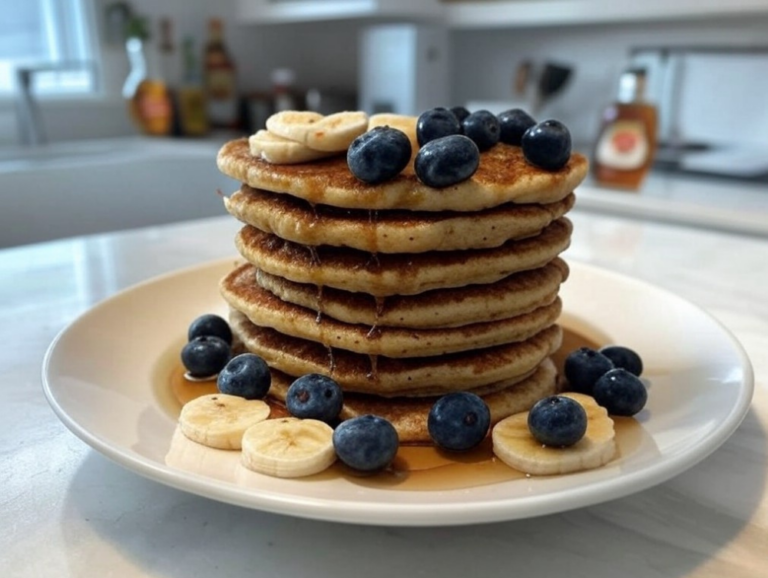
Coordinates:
447 161
513 124
483 128
461 112
583 367
379 154
557 421
245 375
436 123
620 392
458 421
205 356
547 145
624 357
367 443
210 324
314 396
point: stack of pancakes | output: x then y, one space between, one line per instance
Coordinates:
399 291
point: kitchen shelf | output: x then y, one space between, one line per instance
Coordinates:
469 14
479 14
285 11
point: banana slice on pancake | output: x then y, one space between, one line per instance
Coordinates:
282 151
402 122
219 421
331 133
515 446
288 447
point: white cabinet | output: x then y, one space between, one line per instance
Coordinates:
465 14
276 11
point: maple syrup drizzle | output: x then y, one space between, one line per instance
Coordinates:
373 374
416 467
319 304
331 359
373 261
314 256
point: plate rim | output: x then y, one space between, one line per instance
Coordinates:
409 514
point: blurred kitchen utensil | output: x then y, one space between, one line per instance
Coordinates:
551 81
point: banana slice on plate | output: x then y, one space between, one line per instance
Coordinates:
219 421
288 447
515 446
332 133
282 151
402 122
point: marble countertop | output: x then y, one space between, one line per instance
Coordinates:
67 511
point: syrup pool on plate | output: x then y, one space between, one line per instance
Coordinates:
416 467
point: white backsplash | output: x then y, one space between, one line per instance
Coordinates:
485 63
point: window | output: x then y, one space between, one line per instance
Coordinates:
53 36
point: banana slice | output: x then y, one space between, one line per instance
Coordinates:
402 122
282 151
332 133
515 446
288 447
219 421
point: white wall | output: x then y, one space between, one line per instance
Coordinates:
485 61
323 56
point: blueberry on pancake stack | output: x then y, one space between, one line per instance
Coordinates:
406 258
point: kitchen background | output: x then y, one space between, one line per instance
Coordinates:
707 63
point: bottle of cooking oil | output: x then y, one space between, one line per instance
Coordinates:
145 89
627 141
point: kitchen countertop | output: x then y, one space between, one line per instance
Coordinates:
69 511
686 199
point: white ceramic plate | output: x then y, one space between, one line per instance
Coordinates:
99 377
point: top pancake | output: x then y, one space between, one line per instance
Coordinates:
503 176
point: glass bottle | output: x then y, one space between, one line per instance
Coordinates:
627 141
220 80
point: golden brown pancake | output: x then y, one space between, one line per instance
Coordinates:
503 176
409 415
394 231
387 376
514 295
266 310
399 274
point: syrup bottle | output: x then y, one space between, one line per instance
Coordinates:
627 140
220 81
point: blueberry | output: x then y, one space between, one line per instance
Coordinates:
210 324
367 443
547 145
624 357
458 421
379 154
314 396
245 375
583 367
483 128
620 392
205 355
513 124
557 421
447 161
460 112
436 123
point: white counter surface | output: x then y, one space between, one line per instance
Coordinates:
717 203
69 511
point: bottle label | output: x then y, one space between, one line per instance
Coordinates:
623 145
